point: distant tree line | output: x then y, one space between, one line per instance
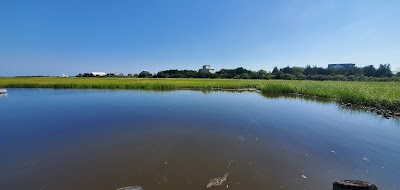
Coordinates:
109 75
382 73
367 73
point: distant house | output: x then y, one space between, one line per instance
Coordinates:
98 74
206 69
341 65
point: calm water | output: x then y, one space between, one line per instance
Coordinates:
103 139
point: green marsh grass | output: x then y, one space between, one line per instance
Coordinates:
381 94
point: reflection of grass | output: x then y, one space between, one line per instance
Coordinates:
381 94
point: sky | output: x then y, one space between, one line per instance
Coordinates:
54 37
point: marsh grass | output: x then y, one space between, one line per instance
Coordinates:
380 94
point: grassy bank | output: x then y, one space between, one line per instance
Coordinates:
381 94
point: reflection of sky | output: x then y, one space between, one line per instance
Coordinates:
34 118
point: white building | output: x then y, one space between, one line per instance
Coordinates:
207 69
98 74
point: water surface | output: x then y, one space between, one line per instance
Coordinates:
106 139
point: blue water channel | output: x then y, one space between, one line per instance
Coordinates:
107 139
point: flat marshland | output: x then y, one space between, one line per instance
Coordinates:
380 94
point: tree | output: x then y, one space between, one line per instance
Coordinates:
286 70
262 74
145 74
275 71
297 71
307 70
353 71
244 76
240 70
369 71
384 71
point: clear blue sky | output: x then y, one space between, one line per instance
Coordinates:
51 37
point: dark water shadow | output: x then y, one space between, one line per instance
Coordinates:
341 107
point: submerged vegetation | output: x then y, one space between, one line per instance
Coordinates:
379 94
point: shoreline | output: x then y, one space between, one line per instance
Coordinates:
382 96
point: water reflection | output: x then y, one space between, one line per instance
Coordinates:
297 97
345 109
106 139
